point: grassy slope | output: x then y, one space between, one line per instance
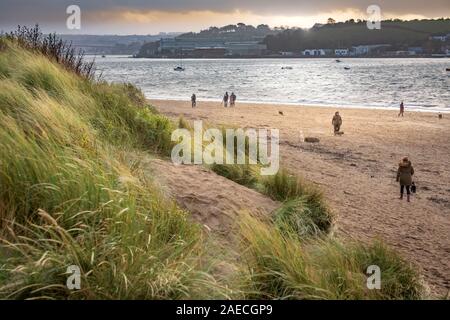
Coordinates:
72 192
70 195
413 33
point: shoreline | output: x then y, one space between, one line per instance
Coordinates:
291 57
408 109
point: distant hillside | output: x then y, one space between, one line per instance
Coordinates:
212 37
397 33
239 32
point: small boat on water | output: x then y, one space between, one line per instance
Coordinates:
448 69
347 68
338 61
103 56
286 68
180 67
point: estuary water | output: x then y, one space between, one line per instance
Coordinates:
423 84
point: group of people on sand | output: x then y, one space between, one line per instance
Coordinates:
405 171
226 98
231 98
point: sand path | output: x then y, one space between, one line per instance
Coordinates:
357 172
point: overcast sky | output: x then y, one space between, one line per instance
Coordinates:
153 16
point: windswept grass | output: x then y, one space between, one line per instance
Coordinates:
304 207
281 266
69 196
183 124
242 174
52 47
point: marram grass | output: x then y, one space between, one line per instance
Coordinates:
282 266
68 197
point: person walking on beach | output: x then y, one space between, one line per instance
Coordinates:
194 100
405 173
402 109
225 100
232 100
337 123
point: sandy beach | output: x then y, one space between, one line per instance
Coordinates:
357 171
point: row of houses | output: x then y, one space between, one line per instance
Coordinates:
440 37
345 52
218 48
379 50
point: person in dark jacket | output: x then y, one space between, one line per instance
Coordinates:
232 100
405 174
337 123
225 99
402 109
194 100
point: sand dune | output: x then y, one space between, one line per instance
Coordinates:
214 201
357 172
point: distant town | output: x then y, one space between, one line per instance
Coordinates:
396 38
113 44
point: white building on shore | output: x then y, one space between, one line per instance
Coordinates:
314 52
341 52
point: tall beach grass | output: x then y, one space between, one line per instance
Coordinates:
280 265
68 196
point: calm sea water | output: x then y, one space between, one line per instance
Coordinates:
422 83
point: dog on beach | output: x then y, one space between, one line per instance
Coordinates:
281 113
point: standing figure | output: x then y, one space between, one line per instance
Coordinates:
337 123
194 100
402 109
225 100
405 173
232 100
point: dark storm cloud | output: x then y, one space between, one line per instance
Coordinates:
14 12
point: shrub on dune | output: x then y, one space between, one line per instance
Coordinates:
242 174
303 203
297 217
282 266
183 124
